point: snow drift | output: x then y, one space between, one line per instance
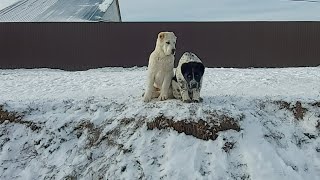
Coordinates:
253 124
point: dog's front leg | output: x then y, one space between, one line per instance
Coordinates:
185 95
196 95
149 90
184 92
165 87
175 89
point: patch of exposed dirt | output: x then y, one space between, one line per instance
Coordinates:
8 116
127 125
297 109
70 177
126 121
275 137
316 104
110 137
228 146
243 177
283 104
318 125
300 140
93 132
202 129
310 136
14 117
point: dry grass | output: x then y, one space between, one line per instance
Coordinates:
93 132
297 109
14 117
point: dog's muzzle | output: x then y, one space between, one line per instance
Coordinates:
173 51
193 85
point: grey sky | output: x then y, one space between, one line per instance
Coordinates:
218 10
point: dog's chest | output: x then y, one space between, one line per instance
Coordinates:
167 62
162 64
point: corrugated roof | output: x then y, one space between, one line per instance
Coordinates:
57 11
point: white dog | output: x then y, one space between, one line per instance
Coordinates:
160 68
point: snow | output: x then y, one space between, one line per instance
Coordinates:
92 124
217 10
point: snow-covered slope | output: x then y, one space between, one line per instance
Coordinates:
253 124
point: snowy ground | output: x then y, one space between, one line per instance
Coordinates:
93 124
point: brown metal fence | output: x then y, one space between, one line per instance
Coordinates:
80 46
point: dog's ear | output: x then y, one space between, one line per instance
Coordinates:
161 35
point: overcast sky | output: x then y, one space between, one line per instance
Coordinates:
219 10
215 10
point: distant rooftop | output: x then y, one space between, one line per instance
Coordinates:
61 11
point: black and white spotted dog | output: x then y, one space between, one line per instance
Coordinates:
186 84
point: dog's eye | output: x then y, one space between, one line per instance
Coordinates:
168 42
189 76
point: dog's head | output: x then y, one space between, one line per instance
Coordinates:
192 73
167 43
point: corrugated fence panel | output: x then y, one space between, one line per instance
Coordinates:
80 46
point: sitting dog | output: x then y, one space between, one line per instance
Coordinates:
186 84
160 68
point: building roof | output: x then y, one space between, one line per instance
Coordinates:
61 11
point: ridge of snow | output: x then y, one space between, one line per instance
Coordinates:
92 124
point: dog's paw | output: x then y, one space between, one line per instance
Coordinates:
187 101
162 97
147 98
198 100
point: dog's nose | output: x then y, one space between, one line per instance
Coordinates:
193 85
173 51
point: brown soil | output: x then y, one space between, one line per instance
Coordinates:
201 129
228 146
13 117
297 109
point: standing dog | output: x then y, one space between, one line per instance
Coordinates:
160 68
186 84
